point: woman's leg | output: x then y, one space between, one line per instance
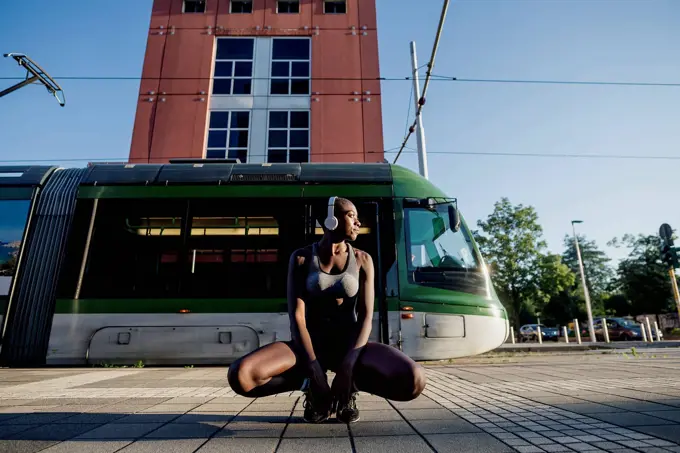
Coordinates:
266 371
389 373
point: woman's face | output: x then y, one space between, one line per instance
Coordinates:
348 221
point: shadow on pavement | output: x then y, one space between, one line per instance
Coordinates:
89 426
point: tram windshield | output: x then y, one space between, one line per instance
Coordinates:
439 255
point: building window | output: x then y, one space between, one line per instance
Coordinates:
194 6
291 66
234 66
288 138
288 7
335 7
228 135
241 6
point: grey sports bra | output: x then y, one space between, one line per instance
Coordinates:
337 286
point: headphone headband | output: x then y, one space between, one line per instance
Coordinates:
331 223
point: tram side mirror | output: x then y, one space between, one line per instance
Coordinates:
454 219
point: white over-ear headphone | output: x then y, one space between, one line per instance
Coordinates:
331 222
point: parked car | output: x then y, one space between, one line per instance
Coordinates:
620 329
529 332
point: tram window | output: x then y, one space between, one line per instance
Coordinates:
75 249
13 216
433 244
240 249
134 250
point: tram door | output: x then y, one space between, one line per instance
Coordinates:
377 239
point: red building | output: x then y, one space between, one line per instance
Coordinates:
260 80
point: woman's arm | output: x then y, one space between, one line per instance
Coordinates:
366 304
298 323
296 306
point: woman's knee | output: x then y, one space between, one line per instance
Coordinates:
237 375
419 379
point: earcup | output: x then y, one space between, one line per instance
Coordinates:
331 223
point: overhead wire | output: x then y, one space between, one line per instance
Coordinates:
408 112
434 78
428 77
411 151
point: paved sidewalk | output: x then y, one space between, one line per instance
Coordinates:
581 403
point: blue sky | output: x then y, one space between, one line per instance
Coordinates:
583 40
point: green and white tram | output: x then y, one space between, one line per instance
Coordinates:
186 263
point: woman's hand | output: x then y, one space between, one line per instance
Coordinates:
318 382
343 381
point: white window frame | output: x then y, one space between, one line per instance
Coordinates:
288 130
231 6
229 129
290 77
335 1
233 76
260 101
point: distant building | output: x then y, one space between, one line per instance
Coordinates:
260 80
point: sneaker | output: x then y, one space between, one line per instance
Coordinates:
349 413
313 412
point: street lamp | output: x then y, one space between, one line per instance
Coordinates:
591 328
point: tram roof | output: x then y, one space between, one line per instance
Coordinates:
24 175
228 173
404 182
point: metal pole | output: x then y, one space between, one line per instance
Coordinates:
430 67
18 85
649 329
676 293
577 330
591 328
605 330
83 263
658 333
420 132
566 334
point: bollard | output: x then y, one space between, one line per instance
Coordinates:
605 330
658 333
566 334
644 332
577 331
649 330
540 336
512 334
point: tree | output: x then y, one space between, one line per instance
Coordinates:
525 277
553 276
9 267
598 274
595 264
641 277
